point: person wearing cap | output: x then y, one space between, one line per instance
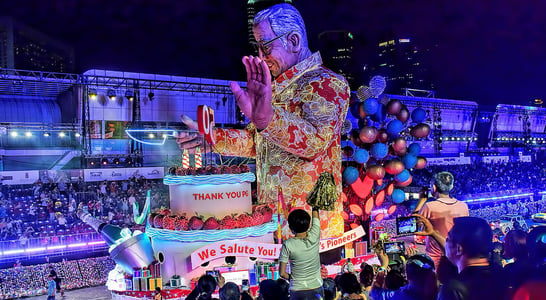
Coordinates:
440 212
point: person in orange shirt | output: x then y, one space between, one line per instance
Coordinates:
296 109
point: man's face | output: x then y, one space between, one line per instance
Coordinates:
279 58
451 249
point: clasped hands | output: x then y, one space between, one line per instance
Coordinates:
254 102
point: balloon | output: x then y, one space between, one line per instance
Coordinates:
362 123
394 127
368 134
398 196
420 131
376 172
382 136
405 183
377 85
371 106
418 115
355 137
379 151
421 162
361 156
379 217
348 151
414 149
363 92
383 99
390 188
350 175
380 115
402 176
399 144
354 109
394 167
391 209
368 206
362 188
409 161
393 107
403 115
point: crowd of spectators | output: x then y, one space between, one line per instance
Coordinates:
48 210
493 211
485 178
24 281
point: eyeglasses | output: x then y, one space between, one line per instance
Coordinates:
265 46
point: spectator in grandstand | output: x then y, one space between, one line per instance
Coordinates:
441 211
230 291
329 286
515 250
57 280
50 288
350 287
204 288
366 278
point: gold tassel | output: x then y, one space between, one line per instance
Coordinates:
324 194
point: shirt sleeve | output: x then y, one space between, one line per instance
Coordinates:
235 142
309 132
285 254
314 233
425 211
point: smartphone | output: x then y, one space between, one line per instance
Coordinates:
395 247
406 226
245 285
213 273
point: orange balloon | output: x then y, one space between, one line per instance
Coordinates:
380 182
368 206
421 162
376 172
368 134
379 198
399 144
390 188
355 209
420 130
394 167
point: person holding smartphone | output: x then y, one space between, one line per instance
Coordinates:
440 212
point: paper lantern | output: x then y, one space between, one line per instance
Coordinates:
355 209
398 196
418 115
368 134
379 198
361 156
375 172
421 162
391 209
350 175
379 151
379 217
368 206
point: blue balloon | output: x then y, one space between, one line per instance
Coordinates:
361 156
350 175
409 160
354 109
379 150
380 114
394 127
414 149
418 115
370 106
402 176
398 196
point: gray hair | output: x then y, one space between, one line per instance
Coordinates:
283 18
444 182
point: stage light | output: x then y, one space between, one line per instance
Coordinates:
14 134
92 94
77 134
62 134
28 134
111 94
129 95
46 134
116 161
91 162
151 95
151 135
129 161
104 161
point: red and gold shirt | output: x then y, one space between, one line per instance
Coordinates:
302 140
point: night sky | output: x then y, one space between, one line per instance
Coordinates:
489 51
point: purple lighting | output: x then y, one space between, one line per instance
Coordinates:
77 245
96 243
56 247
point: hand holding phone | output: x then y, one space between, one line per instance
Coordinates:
406 225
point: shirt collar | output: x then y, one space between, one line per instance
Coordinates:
290 75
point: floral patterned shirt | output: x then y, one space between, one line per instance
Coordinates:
302 140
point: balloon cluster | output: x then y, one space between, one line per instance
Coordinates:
382 155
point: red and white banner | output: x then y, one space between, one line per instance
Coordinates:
234 248
263 250
348 237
